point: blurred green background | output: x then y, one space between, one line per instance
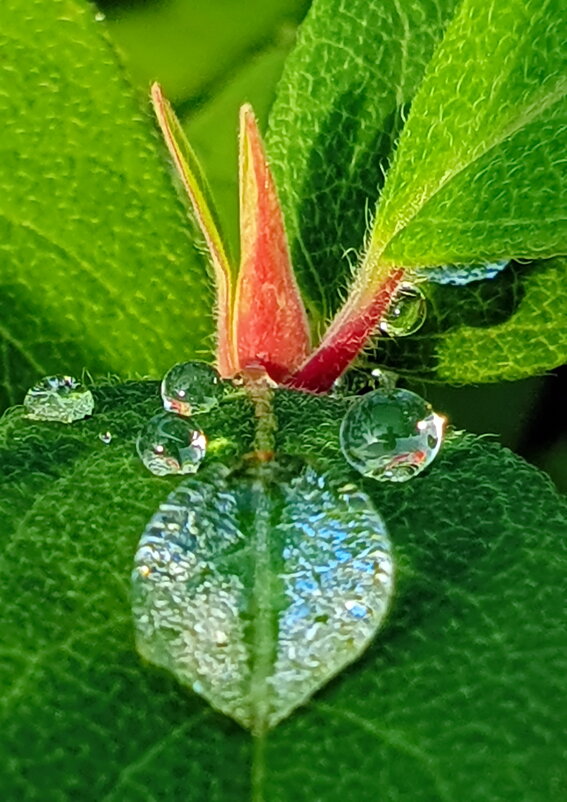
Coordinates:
211 57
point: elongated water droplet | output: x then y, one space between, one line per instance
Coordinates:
254 587
58 398
406 313
458 275
191 387
391 435
170 444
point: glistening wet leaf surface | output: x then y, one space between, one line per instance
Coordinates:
255 586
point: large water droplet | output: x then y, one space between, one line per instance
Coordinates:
458 275
58 398
254 587
391 435
406 313
191 387
170 444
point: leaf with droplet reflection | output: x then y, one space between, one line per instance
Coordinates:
479 541
255 586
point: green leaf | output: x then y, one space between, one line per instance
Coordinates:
479 172
98 269
332 139
194 49
510 327
456 699
340 107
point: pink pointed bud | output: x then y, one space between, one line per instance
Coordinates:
345 338
270 323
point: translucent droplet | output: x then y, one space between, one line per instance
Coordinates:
357 381
191 387
100 16
58 398
105 437
170 444
391 435
406 313
458 275
255 587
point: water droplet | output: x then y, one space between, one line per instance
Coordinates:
58 398
191 387
256 586
391 435
357 381
458 275
170 444
100 16
406 313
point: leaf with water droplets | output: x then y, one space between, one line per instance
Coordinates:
479 546
255 586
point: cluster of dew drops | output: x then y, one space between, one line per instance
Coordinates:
387 434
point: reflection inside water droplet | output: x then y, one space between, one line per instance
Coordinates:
58 398
458 275
391 435
170 444
406 313
191 387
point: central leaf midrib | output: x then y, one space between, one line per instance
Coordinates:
263 636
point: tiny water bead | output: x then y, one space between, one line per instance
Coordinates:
105 437
170 444
255 586
406 313
458 275
58 398
391 435
191 387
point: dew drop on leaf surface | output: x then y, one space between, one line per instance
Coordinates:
406 313
105 437
255 586
58 398
391 435
191 387
170 444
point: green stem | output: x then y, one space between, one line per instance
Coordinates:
258 767
264 441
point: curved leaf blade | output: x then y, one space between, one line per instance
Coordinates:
95 244
479 174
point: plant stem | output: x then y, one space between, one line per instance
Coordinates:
258 767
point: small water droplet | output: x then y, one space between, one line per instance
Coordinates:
406 313
391 435
357 381
170 444
458 275
191 387
105 437
58 398
100 16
